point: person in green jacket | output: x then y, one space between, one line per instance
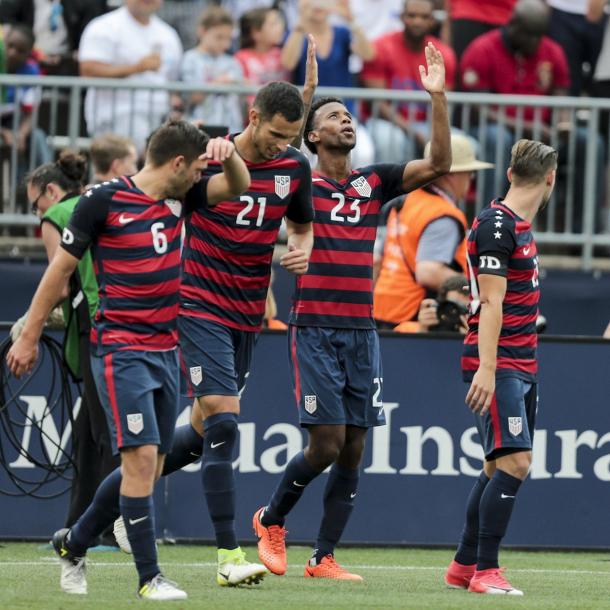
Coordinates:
53 190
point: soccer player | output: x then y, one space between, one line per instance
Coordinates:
225 278
499 361
334 347
133 227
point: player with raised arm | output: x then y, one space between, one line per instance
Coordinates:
333 343
133 226
500 362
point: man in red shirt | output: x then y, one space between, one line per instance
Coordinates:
467 19
519 59
398 130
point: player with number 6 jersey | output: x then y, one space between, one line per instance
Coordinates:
333 344
132 225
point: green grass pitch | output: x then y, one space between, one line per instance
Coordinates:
394 578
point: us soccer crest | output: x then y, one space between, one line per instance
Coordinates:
175 206
135 422
282 186
363 188
311 404
515 425
196 375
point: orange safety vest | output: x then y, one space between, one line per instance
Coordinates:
397 293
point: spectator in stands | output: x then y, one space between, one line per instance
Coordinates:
130 42
377 17
334 45
53 190
57 25
579 35
113 155
453 290
400 131
17 128
210 63
181 15
467 19
425 239
288 8
520 59
261 35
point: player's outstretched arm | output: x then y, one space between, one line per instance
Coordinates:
421 171
492 289
309 87
235 177
23 353
300 243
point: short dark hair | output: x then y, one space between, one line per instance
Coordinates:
531 161
69 172
457 283
23 29
279 97
310 125
215 16
175 138
108 148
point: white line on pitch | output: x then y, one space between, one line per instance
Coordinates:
51 561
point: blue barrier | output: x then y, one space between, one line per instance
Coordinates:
417 471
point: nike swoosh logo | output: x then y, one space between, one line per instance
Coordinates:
297 484
134 521
317 179
503 496
214 445
526 251
352 495
197 455
125 219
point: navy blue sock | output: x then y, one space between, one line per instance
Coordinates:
469 542
186 449
495 510
339 496
217 475
296 477
101 513
139 517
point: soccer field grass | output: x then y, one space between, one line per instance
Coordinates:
394 578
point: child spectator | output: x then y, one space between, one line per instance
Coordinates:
19 42
113 155
209 63
261 34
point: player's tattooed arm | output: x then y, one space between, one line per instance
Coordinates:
300 244
421 171
309 87
234 178
492 289
23 353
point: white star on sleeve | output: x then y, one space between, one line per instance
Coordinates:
497 235
498 225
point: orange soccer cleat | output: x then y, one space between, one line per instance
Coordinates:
458 576
271 544
492 581
329 568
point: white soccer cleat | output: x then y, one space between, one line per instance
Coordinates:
120 535
234 570
161 589
73 577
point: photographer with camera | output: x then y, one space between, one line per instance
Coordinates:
446 313
425 240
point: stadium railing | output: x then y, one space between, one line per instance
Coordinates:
573 219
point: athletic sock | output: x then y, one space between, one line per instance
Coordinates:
101 513
339 495
495 509
186 449
139 517
296 477
217 475
468 548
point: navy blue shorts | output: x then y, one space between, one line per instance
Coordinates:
216 358
511 419
139 392
336 375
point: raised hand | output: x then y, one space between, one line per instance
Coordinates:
433 75
311 65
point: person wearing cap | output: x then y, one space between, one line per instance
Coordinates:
425 239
